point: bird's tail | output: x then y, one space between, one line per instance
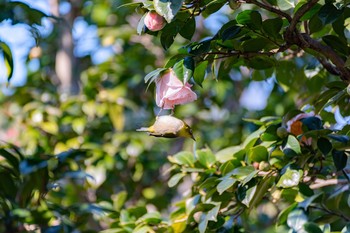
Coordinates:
143 129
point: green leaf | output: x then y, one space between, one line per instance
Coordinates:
184 69
261 62
257 154
150 218
6 51
315 24
329 13
199 48
283 215
141 25
183 158
152 76
199 72
272 27
167 8
324 145
230 32
261 190
270 133
340 159
250 18
227 154
285 4
255 44
296 219
119 200
308 201
174 180
188 29
337 44
293 144
249 195
311 227
226 183
290 178
226 167
206 157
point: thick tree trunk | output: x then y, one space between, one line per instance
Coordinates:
65 60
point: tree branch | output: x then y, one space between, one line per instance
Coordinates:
319 183
300 13
270 8
329 53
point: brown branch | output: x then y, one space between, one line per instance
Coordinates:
328 66
271 9
330 54
319 183
330 212
300 13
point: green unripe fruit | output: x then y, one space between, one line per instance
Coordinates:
264 166
282 132
234 5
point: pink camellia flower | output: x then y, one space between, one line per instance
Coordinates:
170 91
295 126
154 21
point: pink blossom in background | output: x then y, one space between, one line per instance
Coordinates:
170 91
154 21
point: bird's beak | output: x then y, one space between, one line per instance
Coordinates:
193 137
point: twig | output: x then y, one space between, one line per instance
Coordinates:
330 212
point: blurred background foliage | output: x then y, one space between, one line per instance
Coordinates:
76 163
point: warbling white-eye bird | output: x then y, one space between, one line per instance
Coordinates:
168 127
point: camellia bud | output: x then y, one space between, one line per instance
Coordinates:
154 21
282 132
234 5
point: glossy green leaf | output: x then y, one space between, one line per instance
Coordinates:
311 227
206 157
260 62
188 28
257 154
307 202
199 72
324 146
199 48
290 178
230 32
249 195
285 4
340 159
272 27
184 69
250 18
150 218
167 8
152 76
283 215
6 52
293 144
337 44
183 158
226 183
329 13
175 179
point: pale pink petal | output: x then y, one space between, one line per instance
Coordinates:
154 21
